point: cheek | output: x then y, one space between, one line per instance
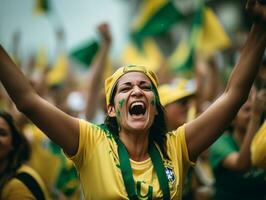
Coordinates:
5 146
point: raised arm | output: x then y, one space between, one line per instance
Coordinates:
205 129
96 73
241 161
58 126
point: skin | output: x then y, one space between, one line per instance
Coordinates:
132 87
64 129
246 124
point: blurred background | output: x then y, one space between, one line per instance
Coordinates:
31 26
67 48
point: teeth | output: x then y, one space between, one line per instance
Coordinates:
137 104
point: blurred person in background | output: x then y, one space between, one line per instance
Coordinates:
17 179
95 101
258 145
58 172
131 156
230 155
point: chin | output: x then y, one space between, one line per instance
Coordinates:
139 127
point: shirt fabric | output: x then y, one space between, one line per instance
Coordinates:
98 165
16 189
258 147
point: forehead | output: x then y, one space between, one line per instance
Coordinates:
133 77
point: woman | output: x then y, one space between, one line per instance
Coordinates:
17 180
133 136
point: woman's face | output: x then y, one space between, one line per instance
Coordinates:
135 103
177 113
5 139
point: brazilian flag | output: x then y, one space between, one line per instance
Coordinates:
85 53
182 59
155 17
206 36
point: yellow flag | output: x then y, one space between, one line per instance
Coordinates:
58 73
148 9
149 56
213 35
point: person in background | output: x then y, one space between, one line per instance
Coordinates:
132 156
177 98
16 177
95 104
230 155
258 145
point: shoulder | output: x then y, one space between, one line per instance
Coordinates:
15 189
88 127
35 176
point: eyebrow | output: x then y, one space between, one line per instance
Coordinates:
140 83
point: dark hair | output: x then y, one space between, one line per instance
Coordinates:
158 128
18 155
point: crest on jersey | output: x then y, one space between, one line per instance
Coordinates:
170 174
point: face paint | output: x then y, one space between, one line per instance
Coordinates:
121 103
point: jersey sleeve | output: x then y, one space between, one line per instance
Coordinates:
89 136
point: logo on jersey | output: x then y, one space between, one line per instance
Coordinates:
170 174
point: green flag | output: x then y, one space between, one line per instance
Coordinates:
155 17
206 36
42 6
85 53
182 60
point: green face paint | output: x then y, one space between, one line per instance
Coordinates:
121 103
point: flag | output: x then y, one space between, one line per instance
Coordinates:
42 6
41 59
149 56
155 17
85 54
206 36
182 60
58 74
213 36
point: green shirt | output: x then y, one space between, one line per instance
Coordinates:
230 184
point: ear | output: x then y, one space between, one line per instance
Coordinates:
111 111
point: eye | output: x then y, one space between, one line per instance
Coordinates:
3 132
146 87
124 89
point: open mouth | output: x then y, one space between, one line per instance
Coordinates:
137 108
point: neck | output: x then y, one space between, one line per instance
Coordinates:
136 145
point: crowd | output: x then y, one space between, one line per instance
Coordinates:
135 133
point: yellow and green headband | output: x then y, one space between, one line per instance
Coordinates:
111 81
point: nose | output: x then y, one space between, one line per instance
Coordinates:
136 91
